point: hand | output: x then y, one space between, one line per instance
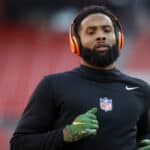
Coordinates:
83 125
145 145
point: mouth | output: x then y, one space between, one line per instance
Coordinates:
101 48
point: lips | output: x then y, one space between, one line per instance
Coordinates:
101 47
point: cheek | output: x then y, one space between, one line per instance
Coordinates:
112 39
86 41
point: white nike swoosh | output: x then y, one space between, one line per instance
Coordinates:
131 88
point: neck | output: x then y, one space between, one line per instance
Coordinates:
109 67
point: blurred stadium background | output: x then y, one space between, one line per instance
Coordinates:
34 42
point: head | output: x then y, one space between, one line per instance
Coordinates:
96 36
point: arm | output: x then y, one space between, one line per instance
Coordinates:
143 138
34 130
143 126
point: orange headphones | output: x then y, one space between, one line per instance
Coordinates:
74 43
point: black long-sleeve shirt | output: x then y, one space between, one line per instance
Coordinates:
123 106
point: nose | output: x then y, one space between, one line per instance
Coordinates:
101 38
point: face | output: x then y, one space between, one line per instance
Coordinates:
98 40
97 31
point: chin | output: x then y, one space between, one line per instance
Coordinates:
100 59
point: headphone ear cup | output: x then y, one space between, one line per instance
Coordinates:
120 34
74 46
120 40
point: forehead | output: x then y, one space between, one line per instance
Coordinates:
96 19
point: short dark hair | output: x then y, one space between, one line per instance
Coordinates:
91 10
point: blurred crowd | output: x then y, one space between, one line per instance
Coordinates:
58 13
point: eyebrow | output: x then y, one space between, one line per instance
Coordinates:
103 26
91 27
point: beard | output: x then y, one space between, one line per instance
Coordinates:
95 58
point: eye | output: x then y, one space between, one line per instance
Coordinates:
107 29
91 31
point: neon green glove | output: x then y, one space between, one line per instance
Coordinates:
144 145
82 126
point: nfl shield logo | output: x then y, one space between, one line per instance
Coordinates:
105 104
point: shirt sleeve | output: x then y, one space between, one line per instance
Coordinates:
35 128
143 126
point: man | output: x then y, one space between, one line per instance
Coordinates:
94 106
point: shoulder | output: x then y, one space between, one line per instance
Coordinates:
134 81
59 78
